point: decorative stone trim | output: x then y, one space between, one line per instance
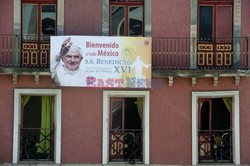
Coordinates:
14 78
216 81
193 81
237 80
170 81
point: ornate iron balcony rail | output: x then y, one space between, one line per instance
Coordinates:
125 145
215 146
194 53
167 52
37 144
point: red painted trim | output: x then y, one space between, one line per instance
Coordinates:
127 3
39 1
111 108
215 2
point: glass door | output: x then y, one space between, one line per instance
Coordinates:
38 24
125 134
215 130
215 40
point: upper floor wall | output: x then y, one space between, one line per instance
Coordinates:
168 18
83 17
171 18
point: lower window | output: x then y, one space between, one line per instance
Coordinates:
37 128
125 127
125 133
215 130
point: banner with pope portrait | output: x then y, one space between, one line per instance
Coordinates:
101 61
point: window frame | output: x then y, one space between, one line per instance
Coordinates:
106 121
126 4
235 121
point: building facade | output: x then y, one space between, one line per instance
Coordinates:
195 112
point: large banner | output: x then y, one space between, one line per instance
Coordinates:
98 61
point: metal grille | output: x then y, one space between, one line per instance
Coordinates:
215 146
125 145
37 144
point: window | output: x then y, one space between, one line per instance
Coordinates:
215 129
38 24
208 110
125 132
215 26
37 130
215 20
126 17
37 125
125 127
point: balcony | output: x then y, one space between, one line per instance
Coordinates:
192 57
171 57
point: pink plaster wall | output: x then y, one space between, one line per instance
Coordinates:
170 18
83 17
6 119
82 125
244 121
6 17
170 124
245 18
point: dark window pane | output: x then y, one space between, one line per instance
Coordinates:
32 113
48 21
205 23
117 115
205 109
135 21
117 21
220 115
132 117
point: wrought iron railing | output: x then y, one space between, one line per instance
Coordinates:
215 146
37 144
193 53
170 53
167 52
24 51
125 145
